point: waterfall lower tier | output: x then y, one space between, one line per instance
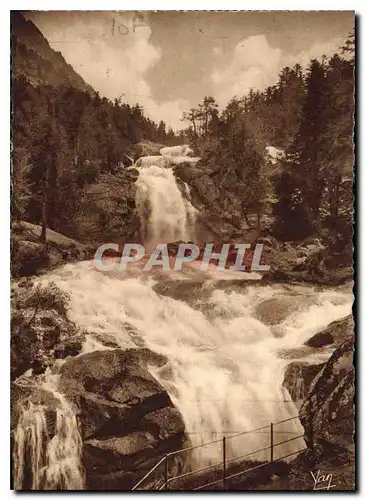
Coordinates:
47 446
225 370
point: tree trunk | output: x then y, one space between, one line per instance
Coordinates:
194 128
44 205
334 198
245 217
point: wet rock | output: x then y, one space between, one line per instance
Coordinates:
69 348
127 419
28 390
327 413
28 257
336 332
188 173
275 310
173 247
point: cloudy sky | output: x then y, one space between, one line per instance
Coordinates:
168 61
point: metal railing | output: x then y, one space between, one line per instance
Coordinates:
226 468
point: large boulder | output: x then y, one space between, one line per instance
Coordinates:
127 420
203 189
187 172
327 413
336 332
274 311
28 257
290 264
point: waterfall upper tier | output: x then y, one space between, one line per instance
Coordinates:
166 214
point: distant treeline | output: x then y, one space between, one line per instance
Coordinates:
64 139
310 115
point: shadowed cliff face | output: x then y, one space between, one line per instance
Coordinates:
327 413
33 58
323 389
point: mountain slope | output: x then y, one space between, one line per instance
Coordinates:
33 58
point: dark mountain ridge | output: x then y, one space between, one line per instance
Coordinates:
33 58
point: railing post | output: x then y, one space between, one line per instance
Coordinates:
166 472
224 462
271 442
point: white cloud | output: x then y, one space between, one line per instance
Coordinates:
217 51
256 64
114 59
169 111
316 51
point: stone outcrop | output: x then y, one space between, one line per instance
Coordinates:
41 331
29 256
327 413
274 311
127 419
298 378
202 187
218 215
335 333
109 208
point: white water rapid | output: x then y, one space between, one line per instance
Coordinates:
225 367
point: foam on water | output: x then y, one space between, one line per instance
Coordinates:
225 373
42 461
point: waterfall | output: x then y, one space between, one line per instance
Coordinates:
165 213
47 445
225 370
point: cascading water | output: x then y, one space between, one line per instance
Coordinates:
47 445
225 366
225 370
165 214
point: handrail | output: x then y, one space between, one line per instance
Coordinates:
193 447
273 445
247 432
196 471
148 473
286 420
248 454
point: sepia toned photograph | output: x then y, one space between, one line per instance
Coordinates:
182 222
